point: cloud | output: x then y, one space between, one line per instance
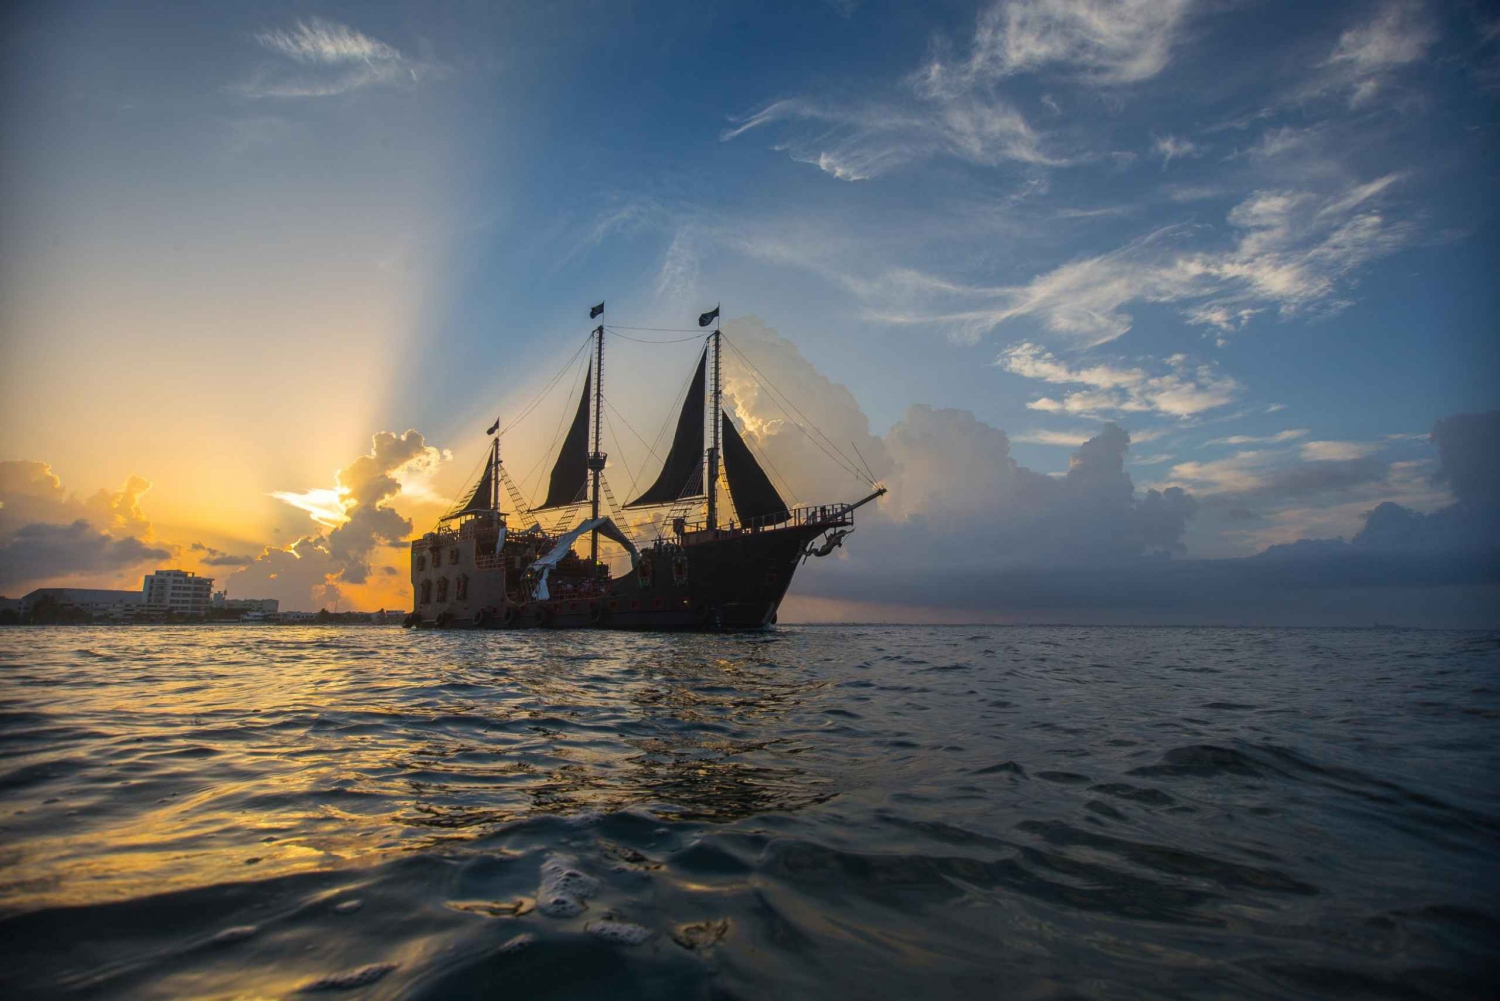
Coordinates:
1108 43
319 42
357 509
798 428
1183 390
1174 147
1468 528
955 491
1291 434
1336 451
677 280
1295 251
1268 474
1400 33
327 58
218 558
1468 445
951 106
1041 436
48 533
39 551
858 143
303 576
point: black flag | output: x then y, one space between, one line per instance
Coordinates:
708 317
493 427
596 311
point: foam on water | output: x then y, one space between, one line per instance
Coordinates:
564 889
812 812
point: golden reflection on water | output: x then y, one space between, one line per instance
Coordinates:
247 754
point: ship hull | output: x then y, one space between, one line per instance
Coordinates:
727 580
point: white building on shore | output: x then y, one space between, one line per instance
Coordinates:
180 592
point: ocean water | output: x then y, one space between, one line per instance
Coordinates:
863 812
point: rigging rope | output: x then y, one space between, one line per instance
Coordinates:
544 390
661 330
522 508
557 436
645 340
619 452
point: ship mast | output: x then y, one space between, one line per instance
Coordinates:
596 457
495 475
713 450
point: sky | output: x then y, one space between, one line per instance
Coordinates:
1153 311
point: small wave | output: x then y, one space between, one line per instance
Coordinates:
348 979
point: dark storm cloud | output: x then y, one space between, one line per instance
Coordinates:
41 551
219 558
1328 476
48 533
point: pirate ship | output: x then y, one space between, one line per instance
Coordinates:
693 565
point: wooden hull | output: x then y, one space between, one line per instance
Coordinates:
734 580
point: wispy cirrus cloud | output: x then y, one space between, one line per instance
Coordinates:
1171 148
1295 252
1181 390
1042 436
1291 434
327 58
1400 33
951 106
857 143
1336 451
1111 43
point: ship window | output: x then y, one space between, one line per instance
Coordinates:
453 556
437 557
461 588
426 591
421 563
442 589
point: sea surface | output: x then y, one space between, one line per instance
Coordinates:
826 812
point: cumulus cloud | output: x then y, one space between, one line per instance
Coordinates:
41 552
48 533
1182 390
303 576
955 491
357 509
959 497
319 58
799 427
1458 540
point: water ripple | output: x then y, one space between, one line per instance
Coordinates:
893 812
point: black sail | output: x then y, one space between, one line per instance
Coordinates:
570 477
755 499
482 497
682 473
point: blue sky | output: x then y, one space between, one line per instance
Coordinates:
1259 237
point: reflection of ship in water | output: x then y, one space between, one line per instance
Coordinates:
692 739
705 568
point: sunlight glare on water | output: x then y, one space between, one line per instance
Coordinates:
878 811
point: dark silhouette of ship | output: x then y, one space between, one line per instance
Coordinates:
703 570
